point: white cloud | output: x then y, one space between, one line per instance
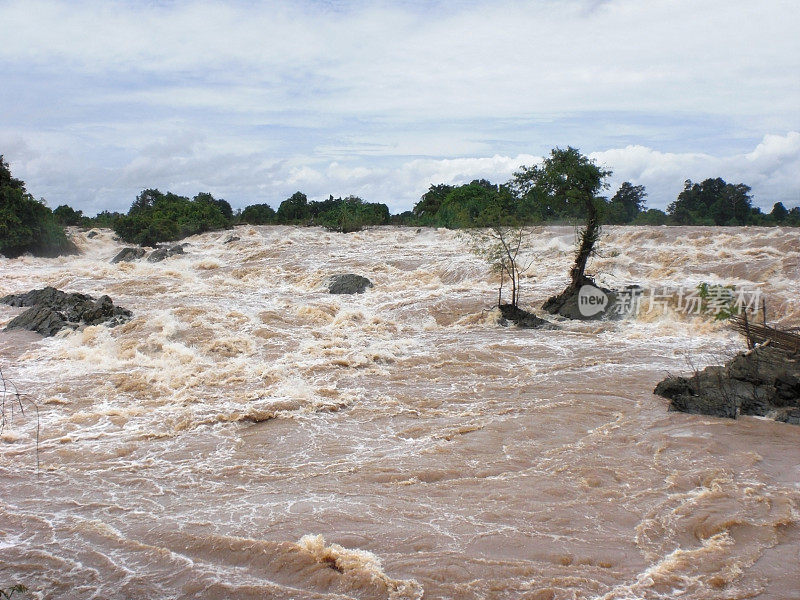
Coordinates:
253 101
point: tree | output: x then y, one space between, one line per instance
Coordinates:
431 201
779 212
26 224
501 246
156 217
712 202
294 209
569 180
652 216
628 202
67 215
258 214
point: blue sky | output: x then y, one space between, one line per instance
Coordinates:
252 101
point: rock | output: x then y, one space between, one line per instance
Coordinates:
586 302
52 310
348 284
231 238
160 254
522 318
128 254
157 255
763 382
92 234
41 319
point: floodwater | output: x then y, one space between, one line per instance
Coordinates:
248 435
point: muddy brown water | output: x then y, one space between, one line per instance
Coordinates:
248 435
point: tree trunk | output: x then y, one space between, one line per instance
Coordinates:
588 237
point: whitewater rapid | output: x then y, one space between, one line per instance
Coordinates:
248 435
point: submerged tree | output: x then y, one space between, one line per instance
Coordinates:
568 179
501 247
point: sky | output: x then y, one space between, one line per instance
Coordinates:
252 101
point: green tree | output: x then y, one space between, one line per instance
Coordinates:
627 203
431 201
156 217
779 212
568 180
501 247
294 209
26 224
712 202
652 216
66 215
258 214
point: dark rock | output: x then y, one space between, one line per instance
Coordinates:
762 382
348 284
157 255
231 238
160 254
52 310
575 302
41 319
522 318
92 234
128 254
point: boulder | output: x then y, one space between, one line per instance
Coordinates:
128 255
585 302
92 234
160 254
348 284
763 382
41 319
231 238
521 318
52 310
157 255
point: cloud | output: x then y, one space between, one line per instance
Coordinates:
253 101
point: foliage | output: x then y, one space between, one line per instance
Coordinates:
66 215
26 224
350 214
294 210
718 299
627 204
564 186
258 214
500 246
712 202
779 213
652 216
479 203
155 217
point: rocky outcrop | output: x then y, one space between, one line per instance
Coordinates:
587 301
92 233
763 382
161 253
348 284
52 310
521 318
128 255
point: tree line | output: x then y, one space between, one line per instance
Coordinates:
539 194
